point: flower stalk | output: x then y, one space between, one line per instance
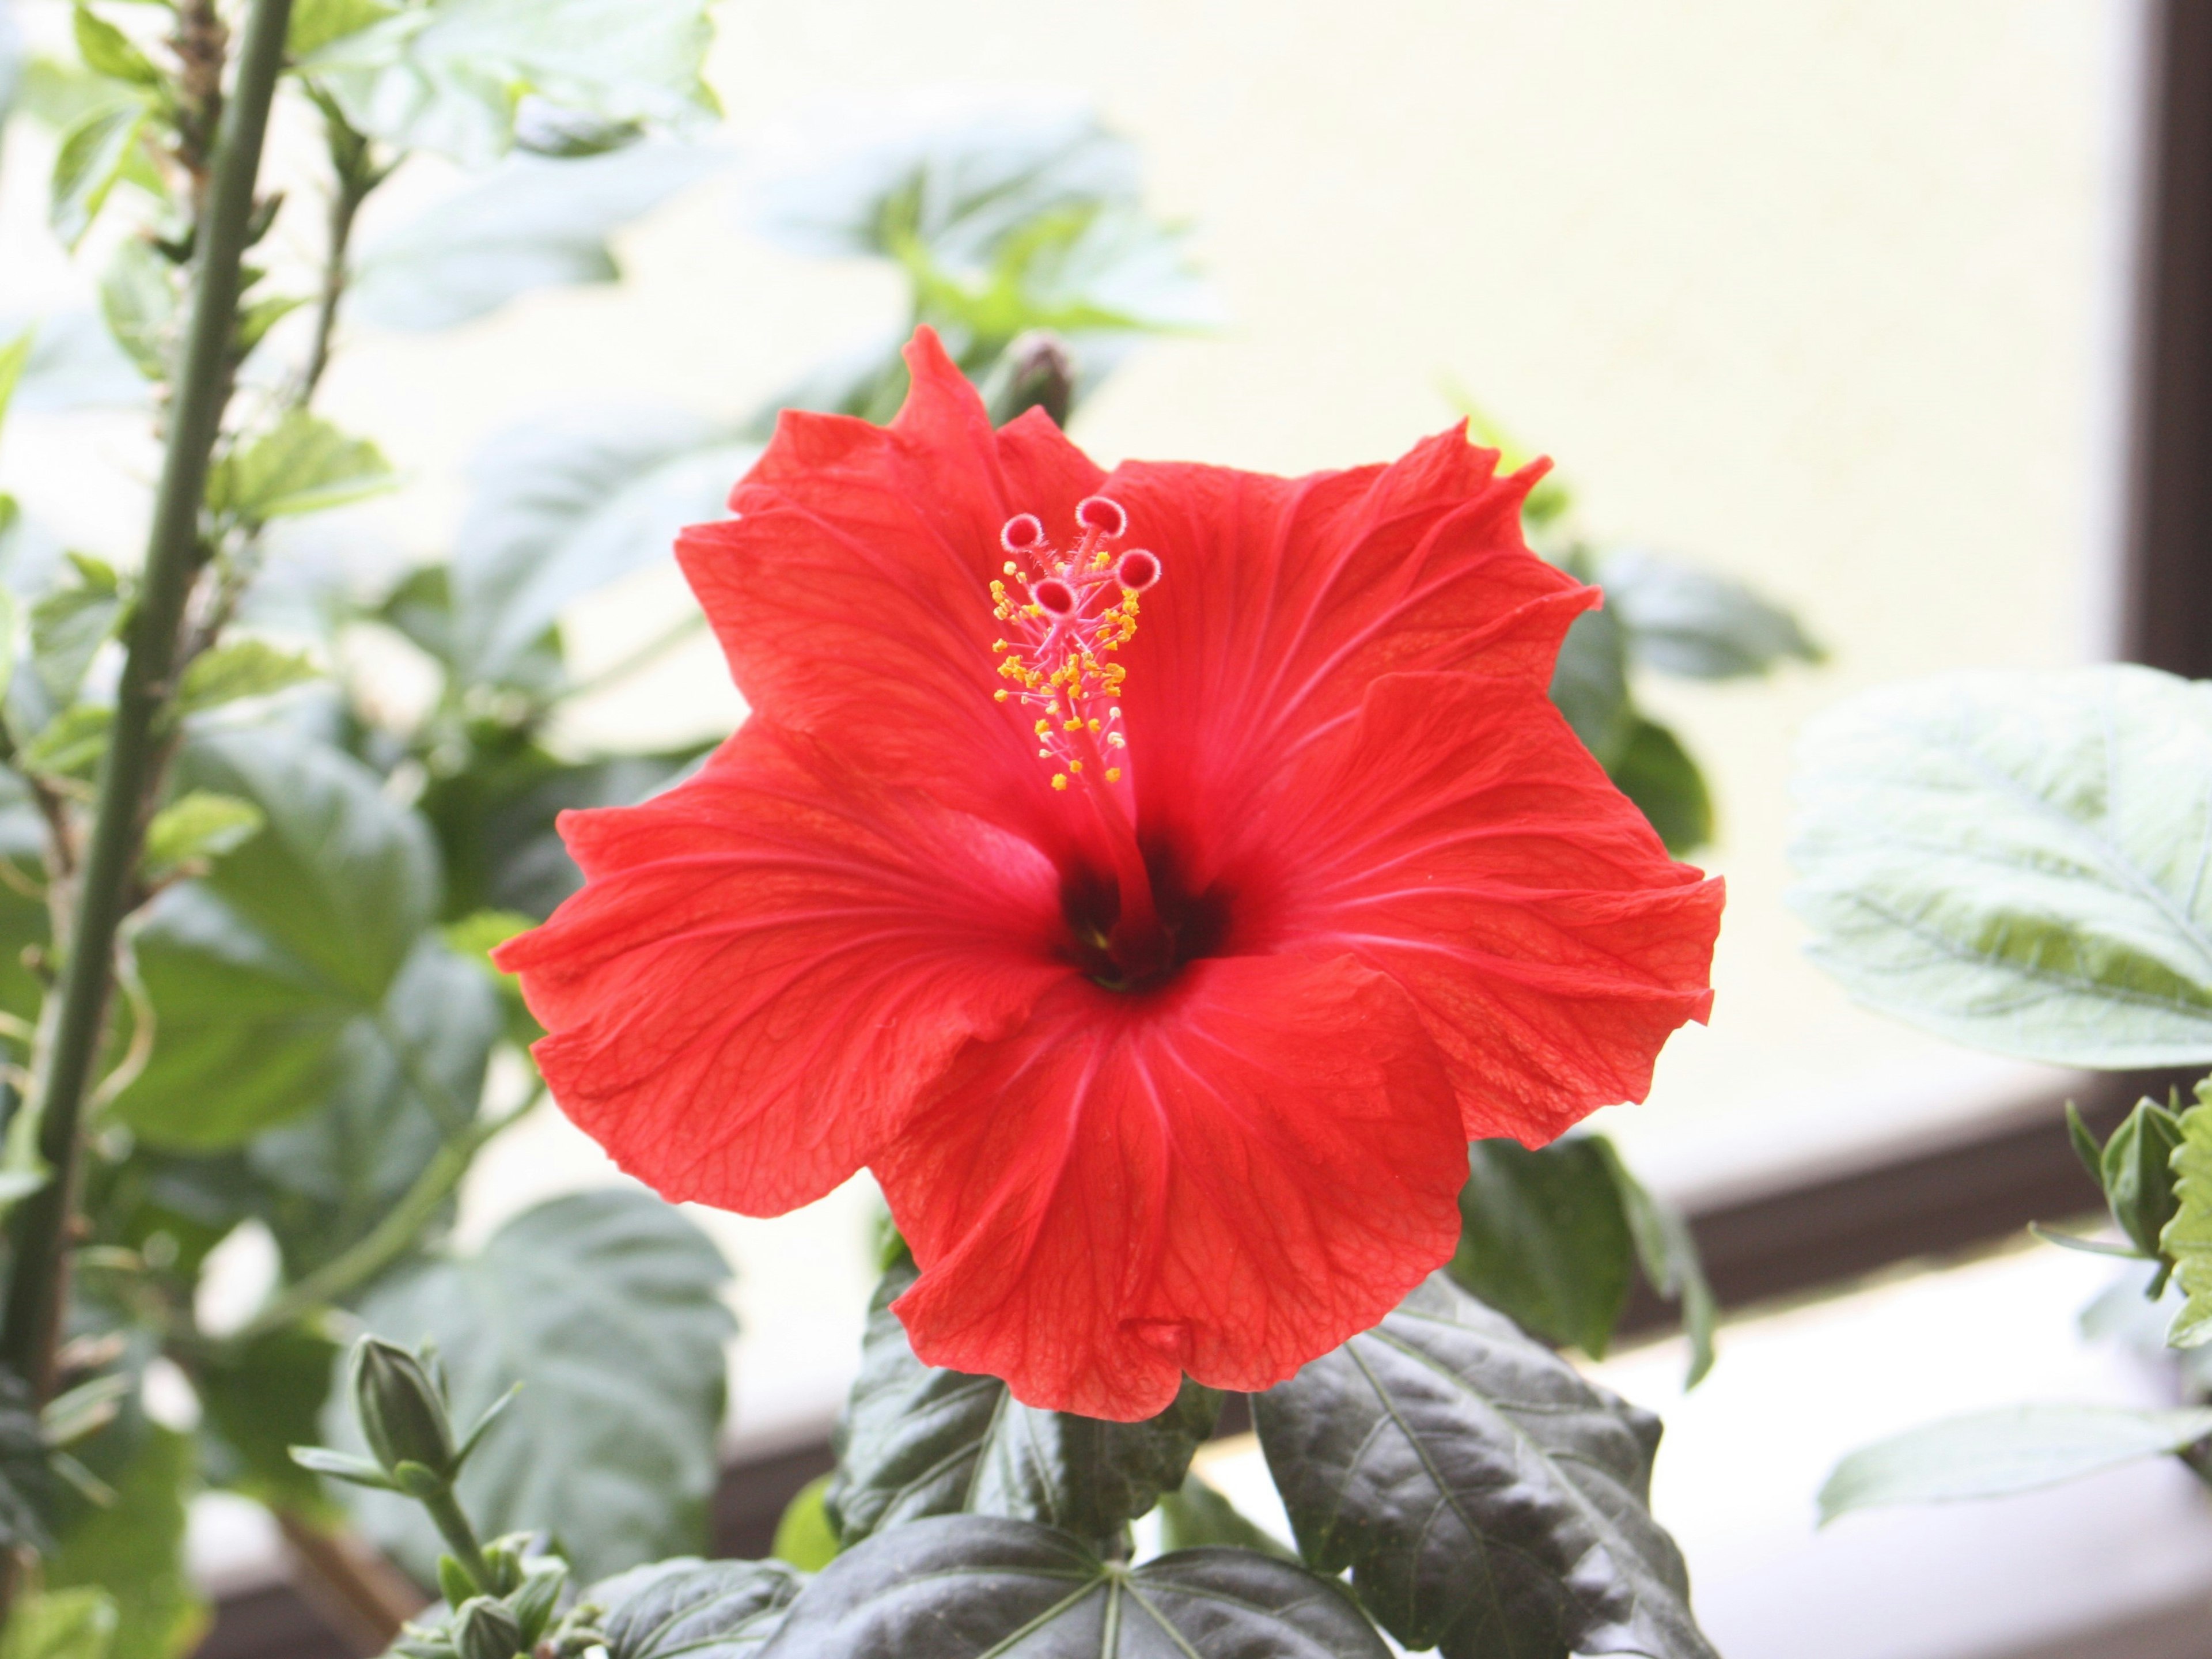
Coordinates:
131 772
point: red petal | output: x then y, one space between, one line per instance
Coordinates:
852 592
1226 1179
1283 598
770 964
1459 837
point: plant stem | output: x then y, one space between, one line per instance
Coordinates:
390 1239
129 776
461 1538
355 178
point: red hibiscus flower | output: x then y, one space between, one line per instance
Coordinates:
1156 878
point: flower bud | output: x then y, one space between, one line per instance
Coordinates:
1035 372
486 1629
403 1411
2138 1174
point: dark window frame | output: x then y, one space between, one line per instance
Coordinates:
1939 1196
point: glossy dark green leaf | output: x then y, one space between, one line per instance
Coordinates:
2004 858
698 1609
1682 620
917 1441
561 508
2018 1449
607 1307
962 1586
1544 1239
530 223
93 156
134 1547
1589 686
1656 772
1488 1500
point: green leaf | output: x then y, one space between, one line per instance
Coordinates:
303 464
803 1536
138 299
257 1403
93 155
71 1624
532 223
68 627
1589 686
2008 860
2187 1240
199 824
241 668
11 63
107 51
1656 772
13 356
134 1549
1196 1514
316 24
606 1306
693 1608
1668 1255
451 77
27 1483
1487 1499
475 936
72 744
1682 620
917 1441
1544 1239
2018 1449
958 1586
560 508
2137 1170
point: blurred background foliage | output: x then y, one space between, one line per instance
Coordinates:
309 1040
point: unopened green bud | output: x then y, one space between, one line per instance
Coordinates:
2137 1170
1034 372
403 1414
486 1629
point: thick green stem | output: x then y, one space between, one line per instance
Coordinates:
130 773
461 1538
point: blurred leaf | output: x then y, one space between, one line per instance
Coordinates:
916 1441
2010 860
27 1481
1668 1253
475 936
1682 620
138 301
68 627
529 224
1992 1454
134 1549
961 1585
449 77
107 51
607 1304
257 1402
11 64
75 363
2136 1171
258 318
199 824
239 668
94 152
804 1536
1589 686
1486 1499
303 464
13 357
316 24
72 744
2187 1240
1656 773
561 508
697 1609
1544 1239
71 1624
1197 1516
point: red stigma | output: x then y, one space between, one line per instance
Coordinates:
1055 596
1023 531
1101 514
1137 570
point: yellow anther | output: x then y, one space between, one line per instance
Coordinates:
1060 780
1011 569
998 697
1094 726
1044 727
1075 765
1112 774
